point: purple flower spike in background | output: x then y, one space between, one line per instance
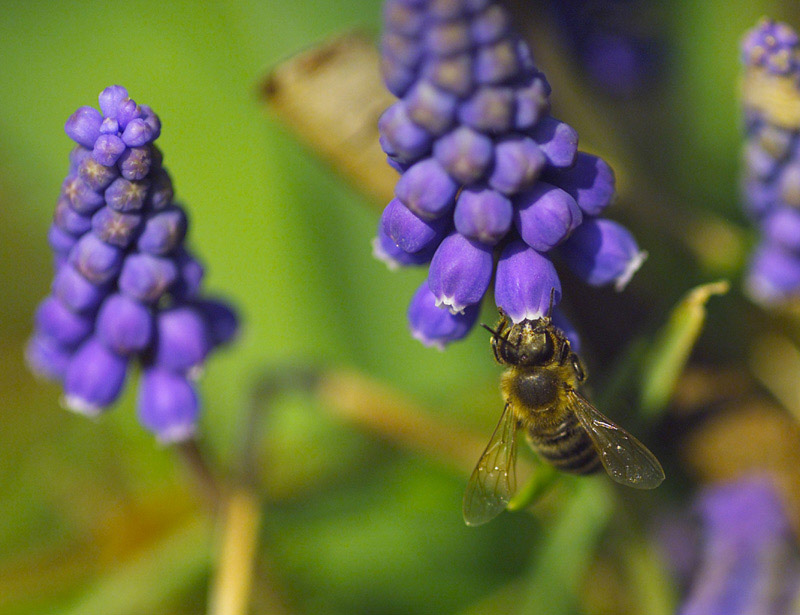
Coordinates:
478 151
771 159
749 561
126 287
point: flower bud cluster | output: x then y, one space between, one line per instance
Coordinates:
771 158
748 561
491 184
125 287
614 41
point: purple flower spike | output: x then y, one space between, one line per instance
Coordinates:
152 122
771 45
76 157
128 111
490 110
590 182
759 197
518 162
568 329
427 189
410 232
524 283
474 143
46 358
116 228
771 158
398 78
789 184
111 99
782 226
137 133
124 195
108 149
80 196
602 251
465 154
749 561
557 140
489 26
83 126
401 138
110 126
385 249
135 162
146 278
68 220
75 291
62 325
61 241
434 326
182 340
430 107
163 231
774 274
121 268
168 405
483 214
222 322
124 325
94 379
533 103
190 276
160 194
96 176
460 272
453 74
447 38
96 260
496 63
760 163
545 216
402 17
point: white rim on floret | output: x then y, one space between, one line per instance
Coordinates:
379 253
177 433
633 266
428 341
79 405
450 304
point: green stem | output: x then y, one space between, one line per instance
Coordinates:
232 584
196 461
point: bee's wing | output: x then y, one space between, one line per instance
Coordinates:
494 480
626 460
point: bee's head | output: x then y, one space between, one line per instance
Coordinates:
526 343
536 346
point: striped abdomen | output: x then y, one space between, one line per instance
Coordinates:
566 445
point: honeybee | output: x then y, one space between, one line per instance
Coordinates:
562 427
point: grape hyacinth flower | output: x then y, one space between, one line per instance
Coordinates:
614 41
491 185
771 159
749 561
126 287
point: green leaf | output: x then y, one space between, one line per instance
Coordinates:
157 576
561 561
543 477
667 356
650 583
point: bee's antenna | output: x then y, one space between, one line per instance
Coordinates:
490 330
499 337
552 300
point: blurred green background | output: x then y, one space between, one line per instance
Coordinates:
95 517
